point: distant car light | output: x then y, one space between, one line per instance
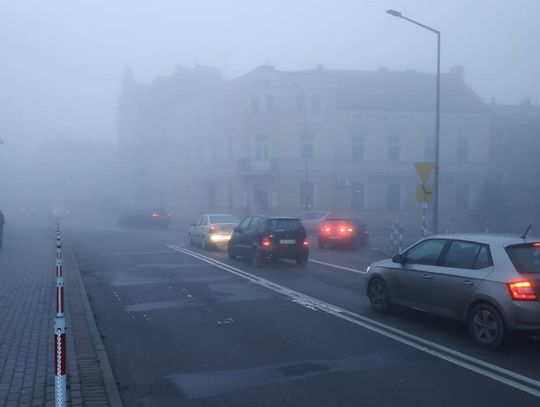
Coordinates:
266 242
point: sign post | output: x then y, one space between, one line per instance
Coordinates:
424 191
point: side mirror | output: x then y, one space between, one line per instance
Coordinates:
398 258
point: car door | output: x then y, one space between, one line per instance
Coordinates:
253 232
194 229
410 282
463 266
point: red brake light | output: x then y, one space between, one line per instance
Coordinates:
522 290
266 242
155 214
537 244
212 229
306 242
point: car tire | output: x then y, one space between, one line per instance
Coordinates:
378 295
486 326
230 253
256 257
302 260
204 244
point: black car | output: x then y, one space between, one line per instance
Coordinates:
145 219
263 237
349 232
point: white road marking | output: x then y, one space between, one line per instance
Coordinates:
497 373
337 266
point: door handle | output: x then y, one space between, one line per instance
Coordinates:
426 276
468 282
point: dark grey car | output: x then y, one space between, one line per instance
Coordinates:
491 282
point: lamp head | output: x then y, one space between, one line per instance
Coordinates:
394 13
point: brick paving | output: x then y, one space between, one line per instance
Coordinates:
27 310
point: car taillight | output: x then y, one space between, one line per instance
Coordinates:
266 242
155 214
326 229
306 242
537 244
522 290
212 229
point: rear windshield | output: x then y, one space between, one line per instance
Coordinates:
223 219
526 257
276 225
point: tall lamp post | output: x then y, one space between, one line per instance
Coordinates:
437 118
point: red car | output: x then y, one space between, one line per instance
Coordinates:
347 232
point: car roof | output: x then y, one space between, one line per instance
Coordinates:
489 238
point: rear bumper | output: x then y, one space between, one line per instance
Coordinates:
523 316
285 254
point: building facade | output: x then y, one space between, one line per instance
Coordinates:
286 142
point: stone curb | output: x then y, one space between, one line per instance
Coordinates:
107 374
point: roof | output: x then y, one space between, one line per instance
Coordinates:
386 90
489 238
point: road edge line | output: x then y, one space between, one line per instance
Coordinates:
106 371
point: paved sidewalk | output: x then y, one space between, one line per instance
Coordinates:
27 310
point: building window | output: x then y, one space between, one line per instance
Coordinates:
462 197
393 148
262 147
270 107
357 147
357 196
394 197
300 102
230 148
315 103
429 148
462 149
307 146
230 195
254 104
306 195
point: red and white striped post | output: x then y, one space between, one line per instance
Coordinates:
59 330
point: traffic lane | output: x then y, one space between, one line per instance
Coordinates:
347 290
203 337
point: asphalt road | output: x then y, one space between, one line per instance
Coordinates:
189 327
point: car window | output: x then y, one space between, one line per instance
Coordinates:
525 257
275 225
425 252
199 221
244 224
461 254
255 221
223 219
483 259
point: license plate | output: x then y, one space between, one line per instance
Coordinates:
287 241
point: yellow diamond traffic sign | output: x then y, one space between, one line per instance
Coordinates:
424 170
424 192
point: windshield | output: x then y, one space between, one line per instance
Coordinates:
526 257
223 219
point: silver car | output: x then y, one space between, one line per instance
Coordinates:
212 230
490 282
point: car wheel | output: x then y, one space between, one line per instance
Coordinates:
486 326
256 257
302 260
230 253
204 244
378 295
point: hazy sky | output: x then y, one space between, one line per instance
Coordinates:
61 61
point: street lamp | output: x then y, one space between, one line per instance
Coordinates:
307 200
437 118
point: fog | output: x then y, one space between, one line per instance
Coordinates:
62 66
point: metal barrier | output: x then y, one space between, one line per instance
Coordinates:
59 329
